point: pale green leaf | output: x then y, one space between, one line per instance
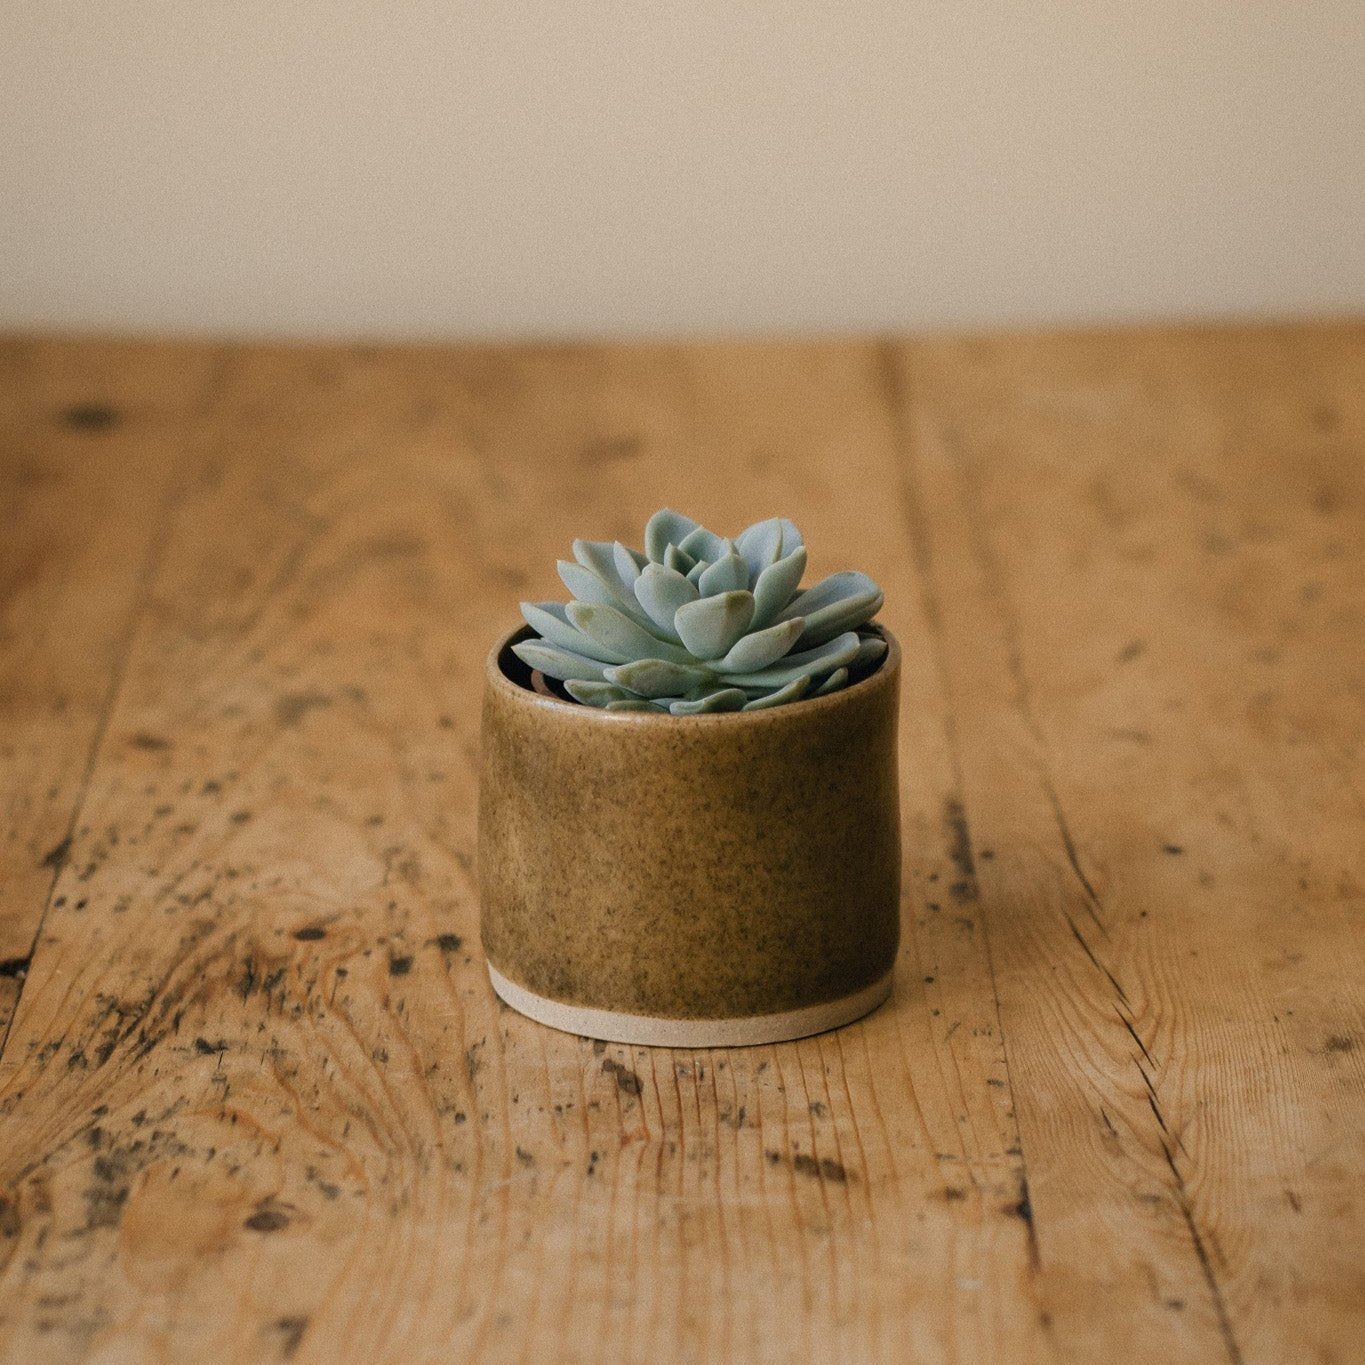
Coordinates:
775 586
666 528
628 563
599 694
661 591
791 692
838 617
729 573
549 620
658 677
678 560
833 683
615 631
761 648
558 663
718 699
710 626
837 587
703 544
760 545
834 654
870 649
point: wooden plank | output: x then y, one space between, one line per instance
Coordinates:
89 448
258 1100
1144 555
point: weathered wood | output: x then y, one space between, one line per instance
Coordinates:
90 441
257 1100
1146 553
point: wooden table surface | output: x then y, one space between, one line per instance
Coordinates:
257 1101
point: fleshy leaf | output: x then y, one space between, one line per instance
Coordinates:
775 586
760 545
558 663
838 603
791 537
719 699
729 573
695 572
615 631
838 617
829 656
549 620
870 649
599 558
710 626
837 587
658 677
678 559
598 694
628 563
793 690
703 544
661 591
634 704
666 527
832 684
586 586
760 648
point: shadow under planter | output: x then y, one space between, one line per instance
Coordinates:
690 881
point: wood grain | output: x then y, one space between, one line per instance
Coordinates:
1148 551
257 1101
90 440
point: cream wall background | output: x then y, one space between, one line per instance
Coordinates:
424 167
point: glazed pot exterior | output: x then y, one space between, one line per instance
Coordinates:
690 880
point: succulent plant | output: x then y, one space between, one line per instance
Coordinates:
700 623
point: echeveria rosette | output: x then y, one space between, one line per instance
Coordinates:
700 623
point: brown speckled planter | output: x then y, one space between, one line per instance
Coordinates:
690 881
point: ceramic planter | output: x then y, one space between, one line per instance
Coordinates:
690 881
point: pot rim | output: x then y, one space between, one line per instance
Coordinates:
886 674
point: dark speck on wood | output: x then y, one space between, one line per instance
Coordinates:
90 417
825 1168
400 966
310 933
266 1220
291 1332
291 708
55 858
626 1079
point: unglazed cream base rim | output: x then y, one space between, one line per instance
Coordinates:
615 1026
